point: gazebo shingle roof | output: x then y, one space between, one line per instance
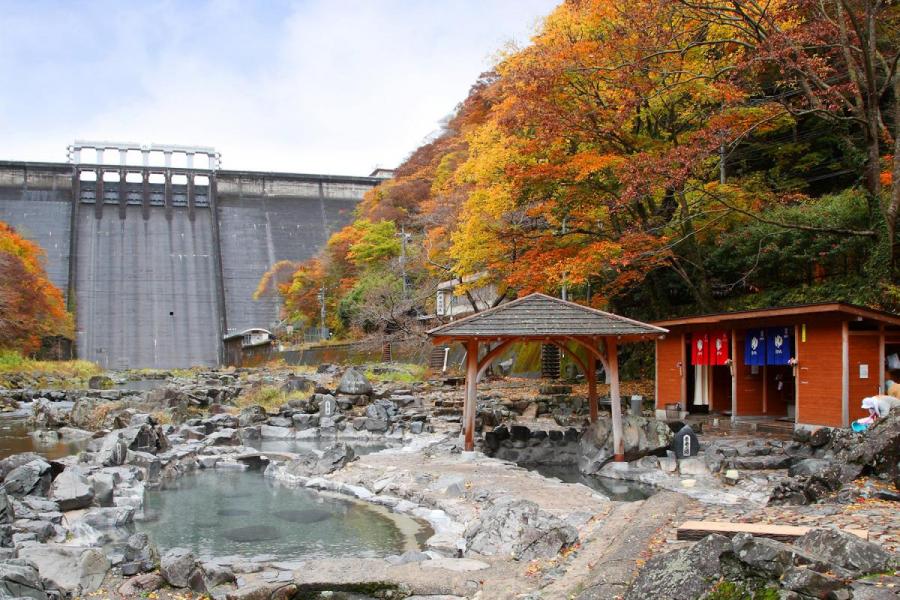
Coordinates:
539 315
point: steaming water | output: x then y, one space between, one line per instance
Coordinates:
219 513
615 489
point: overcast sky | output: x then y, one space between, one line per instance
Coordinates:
316 86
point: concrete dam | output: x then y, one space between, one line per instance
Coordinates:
158 263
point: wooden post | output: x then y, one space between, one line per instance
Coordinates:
734 374
471 395
613 358
592 384
845 374
881 360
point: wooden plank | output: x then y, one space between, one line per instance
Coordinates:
696 530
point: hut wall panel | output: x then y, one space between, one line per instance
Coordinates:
819 389
863 351
749 385
668 356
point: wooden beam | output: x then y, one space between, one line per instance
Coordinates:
612 354
591 374
696 530
488 358
471 399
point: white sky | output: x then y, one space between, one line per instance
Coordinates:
315 86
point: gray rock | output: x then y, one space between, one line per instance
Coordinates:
304 421
280 422
768 462
683 574
176 566
410 556
71 490
252 415
103 485
310 462
216 574
20 579
16 460
108 517
113 450
641 436
224 437
376 425
7 512
519 528
140 550
809 583
32 478
845 550
74 570
353 382
138 586
767 556
100 382
416 427
150 464
818 467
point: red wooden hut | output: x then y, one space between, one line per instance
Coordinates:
811 365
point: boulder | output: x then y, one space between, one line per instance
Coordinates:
766 557
353 382
682 574
113 450
100 382
810 584
177 566
519 528
216 574
251 415
139 549
71 490
304 421
310 462
224 437
845 551
16 460
139 586
877 448
20 579
296 383
7 512
108 517
104 485
31 479
641 436
75 570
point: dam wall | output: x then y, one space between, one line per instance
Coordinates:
158 264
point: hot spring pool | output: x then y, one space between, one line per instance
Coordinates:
224 513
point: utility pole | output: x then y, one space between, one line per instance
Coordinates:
404 237
322 313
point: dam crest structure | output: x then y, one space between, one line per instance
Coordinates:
159 252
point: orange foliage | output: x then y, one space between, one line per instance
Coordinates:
31 307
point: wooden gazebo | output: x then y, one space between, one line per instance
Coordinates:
546 320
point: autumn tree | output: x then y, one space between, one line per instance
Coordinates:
31 307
